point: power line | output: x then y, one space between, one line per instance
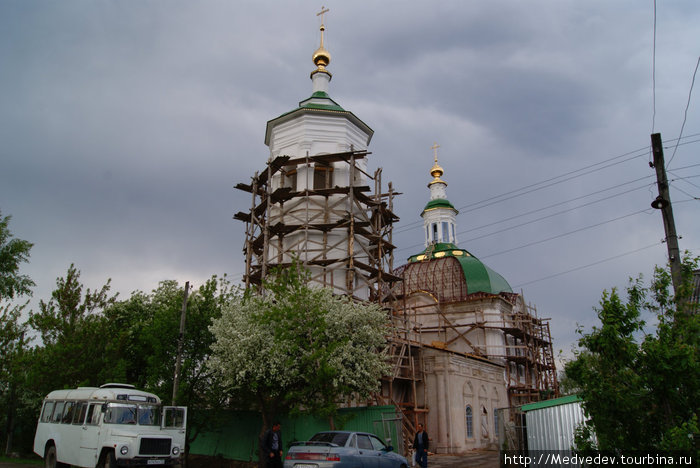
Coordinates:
684 179
546 208
588 265
558 236
534 187
686 193
552 214
653 75
685 115
504 196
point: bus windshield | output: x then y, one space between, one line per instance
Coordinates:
144 415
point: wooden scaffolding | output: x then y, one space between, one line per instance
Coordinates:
343 234
455 321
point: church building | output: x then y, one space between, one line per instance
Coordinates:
462 344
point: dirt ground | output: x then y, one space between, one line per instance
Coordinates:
476 459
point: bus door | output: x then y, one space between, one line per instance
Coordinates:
90 434
71 433
175 418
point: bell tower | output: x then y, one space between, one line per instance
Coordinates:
439 216
316 201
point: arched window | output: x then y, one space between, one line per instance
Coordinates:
470 425
495 422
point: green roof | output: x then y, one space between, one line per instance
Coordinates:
479 277
553 402
330 104
326 105
438 203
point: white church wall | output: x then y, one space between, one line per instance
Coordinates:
452 383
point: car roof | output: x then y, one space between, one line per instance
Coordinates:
346 432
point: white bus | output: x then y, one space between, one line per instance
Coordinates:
114 425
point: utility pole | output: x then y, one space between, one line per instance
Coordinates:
663 203
180 342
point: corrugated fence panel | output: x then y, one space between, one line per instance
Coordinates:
237 439
552 428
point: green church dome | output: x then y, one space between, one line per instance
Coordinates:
452 272
438 203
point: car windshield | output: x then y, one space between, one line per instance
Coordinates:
337 438
144 415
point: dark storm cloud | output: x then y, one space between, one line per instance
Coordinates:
124 127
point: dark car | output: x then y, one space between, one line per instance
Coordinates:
343 449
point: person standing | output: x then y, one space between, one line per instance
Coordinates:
420 445
272 446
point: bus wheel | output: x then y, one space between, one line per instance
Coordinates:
50 457
108 460
50 460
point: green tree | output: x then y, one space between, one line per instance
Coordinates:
13 285
73 329
641 388
13 252
298 347
144 332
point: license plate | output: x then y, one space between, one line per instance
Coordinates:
305 465
155 462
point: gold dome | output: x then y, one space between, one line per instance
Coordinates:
436 171
321 57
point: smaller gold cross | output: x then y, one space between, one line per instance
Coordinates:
435 148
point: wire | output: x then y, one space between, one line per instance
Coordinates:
685 115
415 224
567 201
548 180
588 265
558 236
653 75
686 193
684 179
534 187
551 215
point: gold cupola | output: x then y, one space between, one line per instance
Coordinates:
321 56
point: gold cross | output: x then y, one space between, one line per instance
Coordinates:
320 13
435 148
323 27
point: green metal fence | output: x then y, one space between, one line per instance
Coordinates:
237 438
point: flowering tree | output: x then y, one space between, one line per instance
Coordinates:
298 347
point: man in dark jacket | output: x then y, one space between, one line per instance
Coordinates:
420 445
272 446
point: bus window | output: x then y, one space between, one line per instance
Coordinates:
68 412
120 414
93 414
48 409
79 413
149 415
57 412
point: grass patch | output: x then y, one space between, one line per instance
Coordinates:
36 461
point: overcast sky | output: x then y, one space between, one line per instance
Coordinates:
125 125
